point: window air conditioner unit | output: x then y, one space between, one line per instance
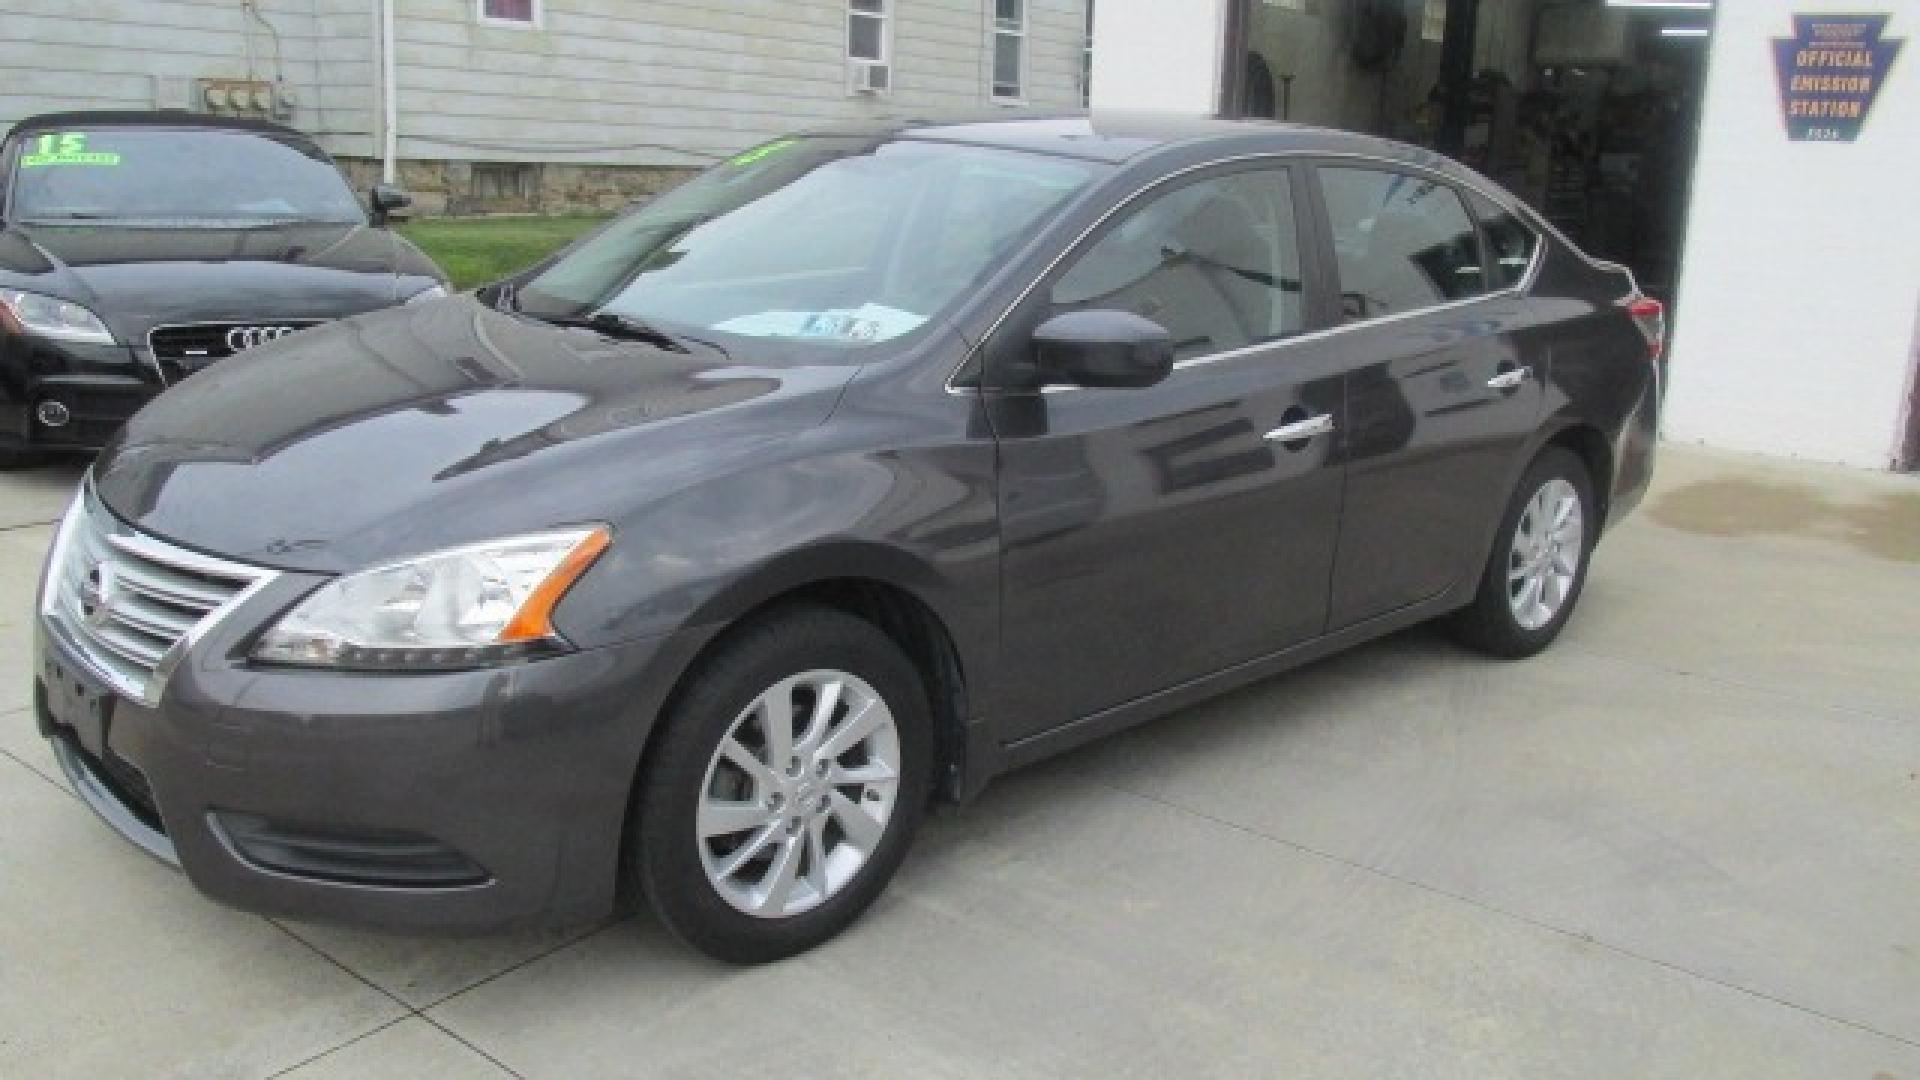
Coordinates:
869 77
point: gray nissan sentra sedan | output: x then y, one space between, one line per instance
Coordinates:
695 562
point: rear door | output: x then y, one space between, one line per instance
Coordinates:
1443 390
1156 535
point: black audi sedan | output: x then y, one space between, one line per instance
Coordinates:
137 248
695 563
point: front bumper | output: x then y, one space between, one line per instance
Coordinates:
98 386
522 772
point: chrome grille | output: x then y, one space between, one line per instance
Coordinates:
184 348
130 604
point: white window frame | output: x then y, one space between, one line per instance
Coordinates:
538 9
997 30
885 18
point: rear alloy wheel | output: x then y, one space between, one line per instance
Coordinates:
1539 562
1545 555
785 787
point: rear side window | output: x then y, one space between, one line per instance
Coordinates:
1401 242
1509 241
1216 262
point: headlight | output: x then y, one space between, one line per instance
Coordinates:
48 317
461 608
431 292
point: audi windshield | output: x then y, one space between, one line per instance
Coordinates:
837 241
174 175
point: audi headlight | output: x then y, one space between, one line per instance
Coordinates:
51 317
431 292
464 607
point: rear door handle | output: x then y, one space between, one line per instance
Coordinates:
1302 429
1508 379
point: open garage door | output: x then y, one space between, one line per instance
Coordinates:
1588 109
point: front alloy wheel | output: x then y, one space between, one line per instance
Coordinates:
798 793
784 785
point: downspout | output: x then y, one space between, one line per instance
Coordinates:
1235 43
389 99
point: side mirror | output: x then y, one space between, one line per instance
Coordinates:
1102 348
386 198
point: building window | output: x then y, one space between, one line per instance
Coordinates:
867 30
1433 21
1008 44
508 12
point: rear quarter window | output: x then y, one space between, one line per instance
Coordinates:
1511 244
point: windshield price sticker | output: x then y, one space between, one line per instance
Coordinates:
759 152
66 148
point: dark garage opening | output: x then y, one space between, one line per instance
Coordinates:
1587 109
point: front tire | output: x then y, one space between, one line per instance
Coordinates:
1539 562
785 787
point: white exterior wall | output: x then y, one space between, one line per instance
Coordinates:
89 54
1158 55
590 85
1801 281
598 77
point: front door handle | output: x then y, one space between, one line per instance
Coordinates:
1300 430
1508 379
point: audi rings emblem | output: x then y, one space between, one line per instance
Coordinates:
246 337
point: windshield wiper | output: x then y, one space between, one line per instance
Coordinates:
615 325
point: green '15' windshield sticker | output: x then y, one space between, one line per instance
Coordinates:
758 152
66 148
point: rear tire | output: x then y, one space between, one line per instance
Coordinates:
752 846
1539 561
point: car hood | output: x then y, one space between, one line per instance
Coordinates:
139 278
437 424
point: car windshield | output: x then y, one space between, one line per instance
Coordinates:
836 241
168 174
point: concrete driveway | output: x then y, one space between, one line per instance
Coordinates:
1685 842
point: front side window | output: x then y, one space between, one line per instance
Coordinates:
161 175
1007 41
511 12
867 30
1217 263
1509 241
829 241
1401 242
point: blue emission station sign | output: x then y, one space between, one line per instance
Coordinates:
1830 71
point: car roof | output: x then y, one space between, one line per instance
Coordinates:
1115 137
157 118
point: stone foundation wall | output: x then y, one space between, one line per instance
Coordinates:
460 188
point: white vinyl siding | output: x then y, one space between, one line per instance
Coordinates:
664 83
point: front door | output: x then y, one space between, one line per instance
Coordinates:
1444 388
1153 536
